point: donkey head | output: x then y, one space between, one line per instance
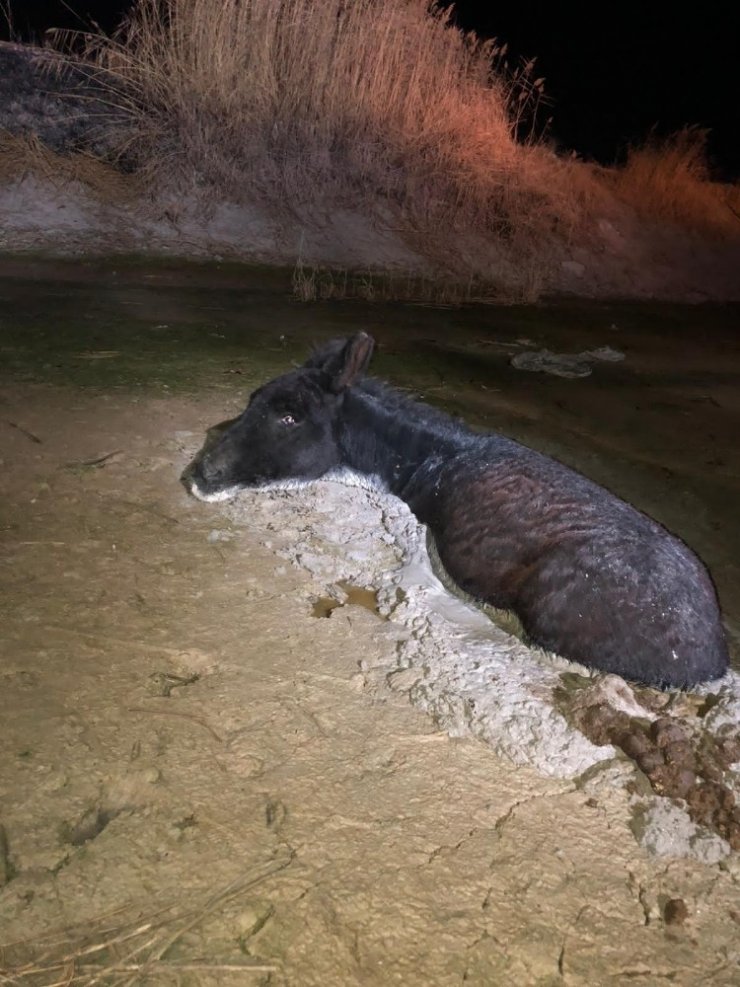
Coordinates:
288 429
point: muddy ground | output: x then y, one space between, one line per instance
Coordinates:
206 779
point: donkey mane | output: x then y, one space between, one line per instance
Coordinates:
404 406
388 399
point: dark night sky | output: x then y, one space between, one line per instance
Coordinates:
613 70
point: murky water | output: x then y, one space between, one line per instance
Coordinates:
348 595
659 427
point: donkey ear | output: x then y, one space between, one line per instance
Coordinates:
352 362
343 360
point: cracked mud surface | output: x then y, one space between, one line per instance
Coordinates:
318 827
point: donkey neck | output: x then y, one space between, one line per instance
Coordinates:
387 435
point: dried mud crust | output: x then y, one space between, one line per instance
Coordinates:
201 775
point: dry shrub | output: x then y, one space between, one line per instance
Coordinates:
23 155
318 282
314 104
669 181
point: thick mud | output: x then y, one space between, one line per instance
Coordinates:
211 760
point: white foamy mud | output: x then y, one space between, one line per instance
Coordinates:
471 676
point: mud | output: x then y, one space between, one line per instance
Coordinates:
201 780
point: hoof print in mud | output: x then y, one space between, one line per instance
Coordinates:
90 825
275 814
675 911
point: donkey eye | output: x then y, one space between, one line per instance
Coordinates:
288 420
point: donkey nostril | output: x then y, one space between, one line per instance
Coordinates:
199 470
211 471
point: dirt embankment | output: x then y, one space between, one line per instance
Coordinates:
65 190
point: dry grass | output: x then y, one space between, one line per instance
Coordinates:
21 156
669 181
322 283
146 948
308 105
